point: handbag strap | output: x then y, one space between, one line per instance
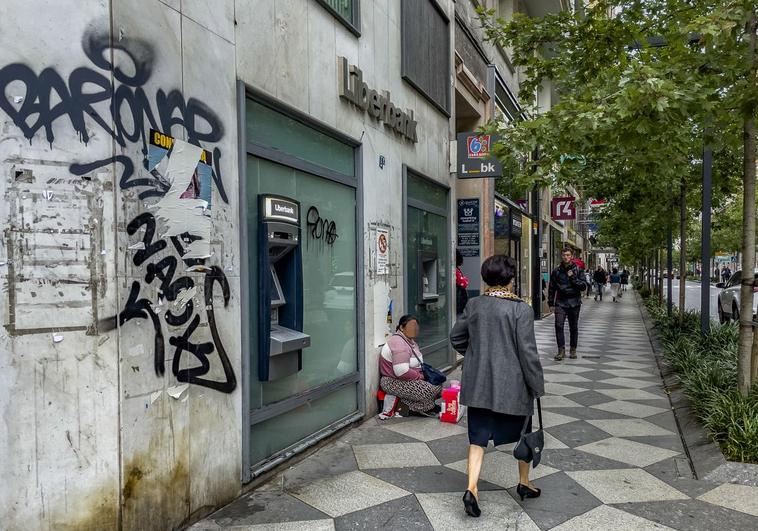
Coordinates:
413 351
539 416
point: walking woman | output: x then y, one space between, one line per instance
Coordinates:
400 370
615 284
502 374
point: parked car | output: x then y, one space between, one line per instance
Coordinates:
341 292
729 298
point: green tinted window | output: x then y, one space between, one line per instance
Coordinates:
329 277
420 189
272 129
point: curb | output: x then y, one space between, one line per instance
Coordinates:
704 455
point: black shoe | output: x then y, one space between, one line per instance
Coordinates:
471 505
525 492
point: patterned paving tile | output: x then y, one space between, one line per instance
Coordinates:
561 389
577 433
501 469
630 373
610 519
692 515
263 508
427 429
403 513
558 490
629 408
563 378
574 369
630 452
631 394
629 427
631 364
394 455
347 493
451 449
628 485
499 512
738 497
428 479
589 398
557 402
631 383
573 460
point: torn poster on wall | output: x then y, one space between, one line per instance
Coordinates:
185 208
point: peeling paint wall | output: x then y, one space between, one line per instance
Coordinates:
119 348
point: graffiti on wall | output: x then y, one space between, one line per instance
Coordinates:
177 174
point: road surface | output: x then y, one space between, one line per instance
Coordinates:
692 297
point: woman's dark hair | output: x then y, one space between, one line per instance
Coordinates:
404 320
498 270
615 270
458 258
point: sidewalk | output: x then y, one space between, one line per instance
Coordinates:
613 459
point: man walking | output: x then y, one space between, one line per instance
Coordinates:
600 279
565 295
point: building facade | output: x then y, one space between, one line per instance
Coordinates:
212 219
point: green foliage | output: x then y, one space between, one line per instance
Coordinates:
630 121
707 368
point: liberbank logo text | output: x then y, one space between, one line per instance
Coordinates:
379 106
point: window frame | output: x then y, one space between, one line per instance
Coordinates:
354 26
404 67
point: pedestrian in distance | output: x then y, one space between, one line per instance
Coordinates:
600 278
502 374
400 370
624 279
461 285
615 284
565 296
588 281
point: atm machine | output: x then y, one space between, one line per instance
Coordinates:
280 288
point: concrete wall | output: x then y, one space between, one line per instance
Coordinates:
120 360
290 52
104 425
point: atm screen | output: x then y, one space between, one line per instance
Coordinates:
277 296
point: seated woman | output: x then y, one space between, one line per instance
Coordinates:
400 370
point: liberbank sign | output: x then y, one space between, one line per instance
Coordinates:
379 106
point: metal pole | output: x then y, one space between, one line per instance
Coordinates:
536 255
669 268
705 279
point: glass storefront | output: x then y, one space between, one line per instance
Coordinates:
428 266
512 238
325 388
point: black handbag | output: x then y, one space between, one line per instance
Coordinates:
431 374
530 445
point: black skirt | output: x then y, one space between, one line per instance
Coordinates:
485 425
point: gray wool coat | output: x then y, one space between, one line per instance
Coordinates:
501 368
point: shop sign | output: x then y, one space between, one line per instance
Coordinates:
382 251
379 106
516 224
475 156
562 208
468 227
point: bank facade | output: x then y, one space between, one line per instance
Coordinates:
213 218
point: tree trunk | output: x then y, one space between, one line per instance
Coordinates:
682 250
659 274
744 370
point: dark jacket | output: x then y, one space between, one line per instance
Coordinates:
566 291
600 277
501 367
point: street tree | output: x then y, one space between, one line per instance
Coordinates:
641 85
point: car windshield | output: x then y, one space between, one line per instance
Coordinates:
345 281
